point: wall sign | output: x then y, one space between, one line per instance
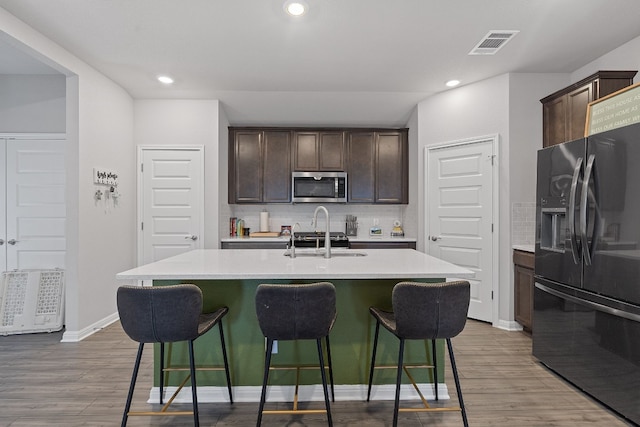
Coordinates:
621 108
103 176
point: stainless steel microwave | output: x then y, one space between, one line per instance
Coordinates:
320 187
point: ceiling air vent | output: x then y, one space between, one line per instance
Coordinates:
493 42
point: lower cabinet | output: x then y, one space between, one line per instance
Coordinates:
382 245
252 244
524 283
256 244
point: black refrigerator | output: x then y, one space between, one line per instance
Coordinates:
586 319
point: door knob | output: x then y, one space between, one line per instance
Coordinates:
12 241
1 242
192 237
435 238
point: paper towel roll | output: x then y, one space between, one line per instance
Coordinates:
264 221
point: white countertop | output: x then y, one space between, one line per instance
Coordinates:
272 264
527 248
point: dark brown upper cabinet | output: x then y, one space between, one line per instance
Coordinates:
392 168
378 167
361 173
319 151
259 166
564 112
261 161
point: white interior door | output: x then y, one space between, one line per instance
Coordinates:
460 206
35 204
172 202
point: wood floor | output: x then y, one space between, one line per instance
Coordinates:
46 383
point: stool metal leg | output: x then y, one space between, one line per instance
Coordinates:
396 407
434 357
194 393
162 372
373 359
457 381
324 381
265 379
226 363
333 394
134 377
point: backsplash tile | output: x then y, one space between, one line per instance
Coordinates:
523 223
288 214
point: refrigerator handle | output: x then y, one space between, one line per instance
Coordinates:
573 238
588 171
590 304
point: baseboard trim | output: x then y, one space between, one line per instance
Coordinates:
76 336
509 325
306 393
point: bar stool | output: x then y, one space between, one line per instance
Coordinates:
296 312
167 314
424 311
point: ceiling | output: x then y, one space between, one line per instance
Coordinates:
345 62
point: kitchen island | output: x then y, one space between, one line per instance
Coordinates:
362 278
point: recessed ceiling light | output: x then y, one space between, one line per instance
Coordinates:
295 8
165 79
452 83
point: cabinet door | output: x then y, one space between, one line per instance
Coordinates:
523 282
305 151
277 167
564 112
361 170
554 129
391 168
331 151
524 296
577 102
318 151
382 245
247 167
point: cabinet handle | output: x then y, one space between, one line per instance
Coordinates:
1 242
12 241
192 237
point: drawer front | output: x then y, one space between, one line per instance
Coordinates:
525 259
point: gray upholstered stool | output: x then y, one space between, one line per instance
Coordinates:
296 312
424 311
167 314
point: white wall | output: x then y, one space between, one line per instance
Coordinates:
187 122
99 128
506 105
525 129
413 223
624 57
474 110
224 210
32 103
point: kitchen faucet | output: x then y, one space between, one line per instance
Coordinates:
292 247
327 235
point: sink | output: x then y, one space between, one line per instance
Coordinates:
334 254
